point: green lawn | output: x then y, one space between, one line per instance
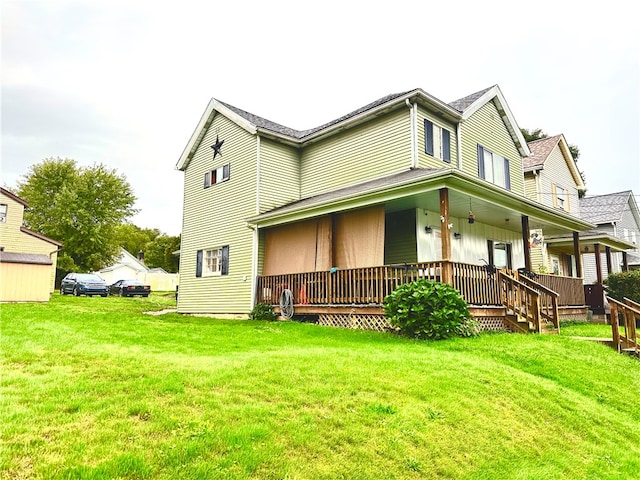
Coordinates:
92 388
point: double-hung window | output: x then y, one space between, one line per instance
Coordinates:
3 212
493 168
499 254
437 141
560 197
213 261
219 175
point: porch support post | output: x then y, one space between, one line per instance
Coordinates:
447 268
625 262
576 253
608 255
596 252
525 242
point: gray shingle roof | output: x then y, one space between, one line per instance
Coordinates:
604 208
32 258
463 103
300 134
540 150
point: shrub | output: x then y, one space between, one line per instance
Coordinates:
625 284
263 311
428 309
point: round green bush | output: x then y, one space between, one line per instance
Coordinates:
624 284
428 309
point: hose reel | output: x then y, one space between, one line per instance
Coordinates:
286 304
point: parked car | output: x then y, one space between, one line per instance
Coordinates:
129 288
84 284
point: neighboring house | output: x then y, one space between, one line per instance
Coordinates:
340 213
616 215
27 259
129 267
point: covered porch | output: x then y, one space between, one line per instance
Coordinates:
340 254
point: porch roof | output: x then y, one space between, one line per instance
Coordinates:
588 239
419 189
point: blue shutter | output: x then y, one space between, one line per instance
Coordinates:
225 260
428 137
480 161
446 146
507 175
199 263
207 180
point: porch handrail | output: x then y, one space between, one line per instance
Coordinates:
521 299
548 301
628 341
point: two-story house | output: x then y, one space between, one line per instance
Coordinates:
27 259
405 186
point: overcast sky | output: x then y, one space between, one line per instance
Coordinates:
125 83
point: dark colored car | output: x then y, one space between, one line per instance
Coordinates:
129 288
84 284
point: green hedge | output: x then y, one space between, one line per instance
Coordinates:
625 284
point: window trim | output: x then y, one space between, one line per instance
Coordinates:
482 171
217 175
202 269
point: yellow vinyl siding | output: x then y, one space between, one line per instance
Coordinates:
215 217
556 173
10 235
427 161
16 241
25 282
279 175
371 150
530 187
486 127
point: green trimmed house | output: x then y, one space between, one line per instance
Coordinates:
331 219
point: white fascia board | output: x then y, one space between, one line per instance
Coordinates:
510 121
207 117
571 163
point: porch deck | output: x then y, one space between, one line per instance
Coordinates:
354 297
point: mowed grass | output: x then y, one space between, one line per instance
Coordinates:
92 388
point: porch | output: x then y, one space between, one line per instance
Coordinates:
500 299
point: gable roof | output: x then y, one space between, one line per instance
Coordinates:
600 209
254 124
13 196
542 148
472 103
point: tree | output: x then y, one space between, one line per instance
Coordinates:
160 253
79 206
537 134
134 239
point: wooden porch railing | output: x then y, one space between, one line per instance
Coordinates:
570 290
522 300
478 285
626 313
548 300
357 286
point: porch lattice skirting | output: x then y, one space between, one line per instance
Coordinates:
380 323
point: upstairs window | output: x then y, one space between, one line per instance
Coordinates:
219 175
3 212
437 141
560 198
214 261
493 168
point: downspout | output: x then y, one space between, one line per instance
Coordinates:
254 246
459 144
414 137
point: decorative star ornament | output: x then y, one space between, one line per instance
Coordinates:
217 147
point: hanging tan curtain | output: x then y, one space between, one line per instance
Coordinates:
359 238
290 248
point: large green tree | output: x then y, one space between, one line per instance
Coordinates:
78 206
135 239
160 253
